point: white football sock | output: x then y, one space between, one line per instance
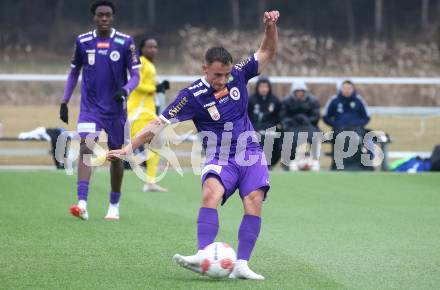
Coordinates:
82 204
240 263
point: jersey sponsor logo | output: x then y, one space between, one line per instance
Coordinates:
235 93
196 86
214 113
209 105
114 55
133 54
103 44
242 63
102 51
119 40
198 93
91 58
178 107
223 100
221 94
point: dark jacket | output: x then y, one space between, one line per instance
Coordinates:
343 111
297 112
264 112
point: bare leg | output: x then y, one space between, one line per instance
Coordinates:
84 171
116 175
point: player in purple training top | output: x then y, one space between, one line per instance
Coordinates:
104 55
217 104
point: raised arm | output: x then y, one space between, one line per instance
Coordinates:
268 46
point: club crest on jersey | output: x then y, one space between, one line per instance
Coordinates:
114 55
235 94
103 45
214 113
221 94
91 58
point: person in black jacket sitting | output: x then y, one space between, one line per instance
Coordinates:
264 112
301 113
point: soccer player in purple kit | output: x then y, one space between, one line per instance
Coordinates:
104 55
217 103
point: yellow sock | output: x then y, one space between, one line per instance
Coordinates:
153 160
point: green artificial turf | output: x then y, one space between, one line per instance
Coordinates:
320 231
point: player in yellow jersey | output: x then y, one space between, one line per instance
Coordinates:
141 106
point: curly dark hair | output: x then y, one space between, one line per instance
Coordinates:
96 4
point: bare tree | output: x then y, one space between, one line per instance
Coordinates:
424 20
151 13
235 14
58 17
438 11
136 12
261 8
350 21
378 19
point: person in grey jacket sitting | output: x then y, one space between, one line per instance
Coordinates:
301 113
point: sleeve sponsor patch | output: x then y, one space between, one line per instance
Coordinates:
133 54
241 64
178 107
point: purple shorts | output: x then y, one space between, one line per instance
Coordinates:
233 174
90 126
